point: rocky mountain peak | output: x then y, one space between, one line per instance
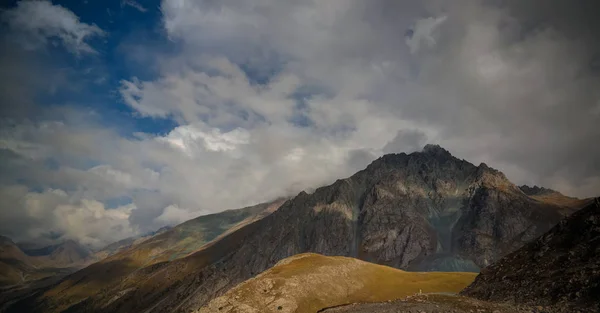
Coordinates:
537 191
436 150
431 154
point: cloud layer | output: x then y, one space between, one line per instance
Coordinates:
37 23
273 97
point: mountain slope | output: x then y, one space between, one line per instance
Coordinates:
14 264
126 243
560 268
192 235
9 250
68 254
422 211
126 266
17 267
311 282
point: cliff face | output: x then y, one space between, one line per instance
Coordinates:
561 268
422 211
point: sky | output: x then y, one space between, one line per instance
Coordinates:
118 117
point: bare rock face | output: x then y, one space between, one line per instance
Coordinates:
561 268
426 211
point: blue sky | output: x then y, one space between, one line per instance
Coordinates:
98 76
120 117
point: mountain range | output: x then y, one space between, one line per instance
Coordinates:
424 211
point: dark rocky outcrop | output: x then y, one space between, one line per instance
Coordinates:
560 269
421 211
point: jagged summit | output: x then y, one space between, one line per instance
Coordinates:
436 150
536 191
429 153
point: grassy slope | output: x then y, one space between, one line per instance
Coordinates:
310 282
131 267
567 204
190 236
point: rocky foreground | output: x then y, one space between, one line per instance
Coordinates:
560 269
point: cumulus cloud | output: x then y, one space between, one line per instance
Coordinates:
273 97
91 223
38 23
54 213
186 137
218 94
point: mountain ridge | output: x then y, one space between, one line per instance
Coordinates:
421 211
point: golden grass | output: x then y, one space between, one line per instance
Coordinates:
310 282
560 200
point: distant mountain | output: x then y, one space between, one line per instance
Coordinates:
537 191
307 283
14 264
568 204
424 211
69 253
17 267
561 268
9 250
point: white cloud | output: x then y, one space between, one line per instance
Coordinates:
91 223
134 4
173 215
219 97
186 137
37 23
146 178
31 215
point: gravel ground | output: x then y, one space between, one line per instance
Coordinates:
435 304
